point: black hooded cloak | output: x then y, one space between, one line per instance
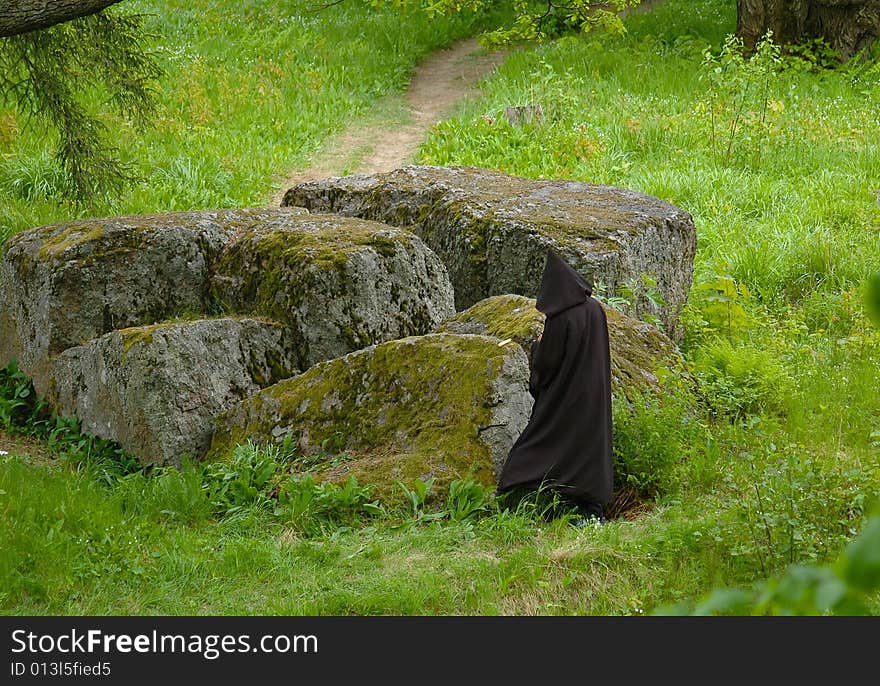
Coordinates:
567 443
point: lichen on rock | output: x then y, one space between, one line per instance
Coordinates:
503 316
156 389
492 230
339 283
65 284
441 405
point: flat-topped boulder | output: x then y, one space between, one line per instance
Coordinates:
157 389
638 349
339 283
442 405
492 230
65 284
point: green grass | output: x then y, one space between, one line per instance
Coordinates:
239 108
765 457
72 546
144 546
793 210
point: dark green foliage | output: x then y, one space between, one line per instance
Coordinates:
46 73
790 507
166 494
19 405
241 482
417 497
311 507
740 380
538 20
466 500
717 306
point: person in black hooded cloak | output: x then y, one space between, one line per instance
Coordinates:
567 444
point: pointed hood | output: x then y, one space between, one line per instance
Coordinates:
561 286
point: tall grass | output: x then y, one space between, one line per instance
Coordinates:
791 211
72 546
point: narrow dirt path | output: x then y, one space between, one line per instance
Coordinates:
439 83
390 139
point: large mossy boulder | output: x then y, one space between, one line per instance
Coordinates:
65 284
339 283
638 349
442 405
492 230
157 389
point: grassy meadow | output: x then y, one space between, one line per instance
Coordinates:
765 457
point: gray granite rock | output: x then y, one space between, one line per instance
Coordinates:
441 405
65 284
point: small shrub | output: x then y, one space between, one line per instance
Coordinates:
717 307
20 408
739 380
737 97
813 55
648 443
243 481
791 507
167 494
466 500
842 588
312 507
416 498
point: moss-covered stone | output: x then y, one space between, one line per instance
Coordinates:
492 230
640 354
339 283
502 316
416 407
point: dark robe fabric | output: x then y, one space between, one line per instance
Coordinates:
567 444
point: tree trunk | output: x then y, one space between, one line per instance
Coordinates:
846 25
21 16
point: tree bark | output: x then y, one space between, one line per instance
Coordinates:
846 25
22 16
